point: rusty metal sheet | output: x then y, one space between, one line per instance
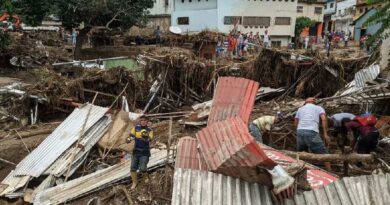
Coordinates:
233 97
228 148
316 177
188 156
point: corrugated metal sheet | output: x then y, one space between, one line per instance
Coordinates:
361 190
12 183
233 97
316 177
228 148
367 74
60 140
188 156
194 187
95 181
60 166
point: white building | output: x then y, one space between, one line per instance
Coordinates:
343 18
276 16
315 11
160 14
330 9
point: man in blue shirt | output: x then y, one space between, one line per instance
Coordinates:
142 135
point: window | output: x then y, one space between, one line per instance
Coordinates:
276 44
339 12
183 20
182 1
282 21
326 6
331 5
230 20
300 9
318 10
361 10
256 21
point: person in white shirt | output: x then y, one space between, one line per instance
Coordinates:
307 121
266 39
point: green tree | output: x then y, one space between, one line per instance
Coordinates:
107 13
5 40
382 16
301 23
86 14
32 12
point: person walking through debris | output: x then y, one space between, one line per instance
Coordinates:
231 45
142 134
365 134
307 121
266 39
263 124
157 34
338 121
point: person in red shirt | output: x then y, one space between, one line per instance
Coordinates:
365 134
231 45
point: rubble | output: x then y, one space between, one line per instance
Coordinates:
200 109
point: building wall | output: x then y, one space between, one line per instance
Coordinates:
308 11
330 7
198 20
162 7
163 21
263 8
372 29
344 15
183 5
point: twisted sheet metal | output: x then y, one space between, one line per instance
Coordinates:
188 156
60 140
228 148
233 97
95 181
60 166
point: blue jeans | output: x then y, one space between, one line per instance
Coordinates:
139 162
309 140
255 132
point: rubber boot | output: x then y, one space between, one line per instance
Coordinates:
147 177
134 178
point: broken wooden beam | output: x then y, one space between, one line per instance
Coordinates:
353 157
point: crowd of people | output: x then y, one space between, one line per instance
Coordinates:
238 44
356 131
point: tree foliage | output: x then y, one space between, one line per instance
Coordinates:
32 12
5 40
301 23
382 16
107 13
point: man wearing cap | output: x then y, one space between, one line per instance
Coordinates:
142 134
307 121
263 124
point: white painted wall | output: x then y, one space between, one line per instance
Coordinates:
329 9
160 8
308 10
344 15
267 8
195 5
198 20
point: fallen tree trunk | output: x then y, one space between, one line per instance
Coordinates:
331 157
27 134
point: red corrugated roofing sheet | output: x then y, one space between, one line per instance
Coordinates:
188 156
316 177
228 148
233 97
